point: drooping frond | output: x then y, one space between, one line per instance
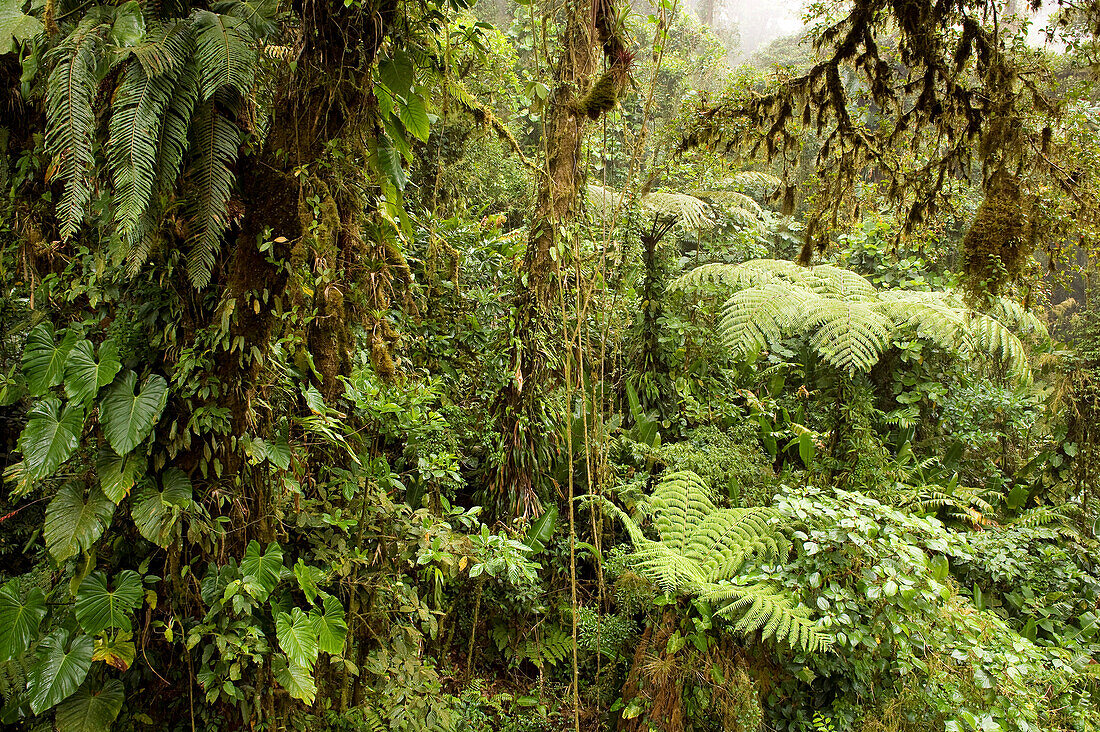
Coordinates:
768 609
70 118
929 314
690 211
225 51
850 335
991 336
701 550
135 127
1014 315
761 315
215 141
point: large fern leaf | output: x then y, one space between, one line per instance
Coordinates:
215 141
69 116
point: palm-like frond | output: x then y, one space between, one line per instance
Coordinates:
701 550
848 321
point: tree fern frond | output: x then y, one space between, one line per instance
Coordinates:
761 315
850 335
991 336
226 53
690 211
766 608
1014 315
215 141
70 119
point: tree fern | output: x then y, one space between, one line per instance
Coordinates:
701 550
848 322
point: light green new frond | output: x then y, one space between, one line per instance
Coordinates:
680 503
930 315
226 53
991 336
768 609
135 126
1015 316
764 182
726 538
825 279
690 211
850 335
761 315
215 141
730 200
70 118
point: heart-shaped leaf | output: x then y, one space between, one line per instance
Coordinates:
84 376
63 664
44 358
296 679
74 522
50 437
128 417
156 513
91 710
261 571
330 626
99 607
19 619
117 474
297 637
117 652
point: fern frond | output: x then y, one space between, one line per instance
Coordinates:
689 211
850 335
1015 316
755 317
135 125
69 116
226 53
258 14
992 337
215 141
764 607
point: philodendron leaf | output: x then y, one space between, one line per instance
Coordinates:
298 680
50 437
99 607
74 522
330 626
44 358
91 710
156 513
63 663
118 652
84 375
117 474
15 25
297 637
128 417
261 571
19 619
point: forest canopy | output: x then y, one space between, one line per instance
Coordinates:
549 365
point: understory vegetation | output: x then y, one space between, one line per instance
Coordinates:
533 366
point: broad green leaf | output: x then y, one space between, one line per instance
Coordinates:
297 637
15 25
156 513
117 652
129 26
91 710
117 474
50 438
99 607
542 530
19 619
261 571
298 680
63 664
128 417
415 118
398 73
308 577
44 358
84 376
74 522
330 626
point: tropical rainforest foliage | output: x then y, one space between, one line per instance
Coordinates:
375 365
